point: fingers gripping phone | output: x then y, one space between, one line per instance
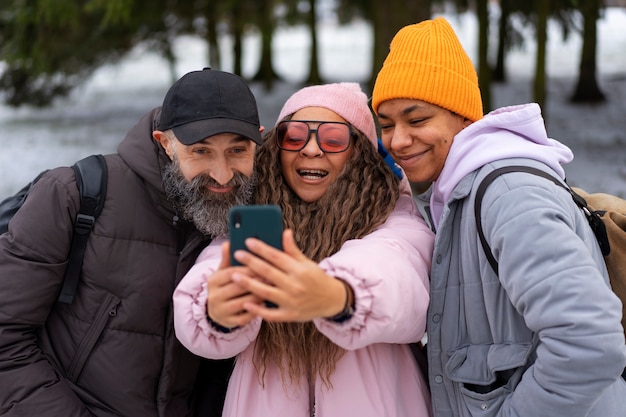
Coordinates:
264 222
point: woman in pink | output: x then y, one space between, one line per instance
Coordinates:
351 283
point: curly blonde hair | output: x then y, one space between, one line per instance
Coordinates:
368 190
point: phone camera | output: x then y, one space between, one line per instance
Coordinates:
237 220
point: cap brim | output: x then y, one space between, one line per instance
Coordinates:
197 131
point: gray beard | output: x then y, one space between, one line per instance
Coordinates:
207 210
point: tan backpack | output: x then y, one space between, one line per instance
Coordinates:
612 211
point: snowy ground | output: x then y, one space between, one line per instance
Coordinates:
95 118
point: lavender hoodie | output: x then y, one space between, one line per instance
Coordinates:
523 130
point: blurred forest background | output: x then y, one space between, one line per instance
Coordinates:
50 47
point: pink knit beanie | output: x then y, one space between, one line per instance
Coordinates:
345 99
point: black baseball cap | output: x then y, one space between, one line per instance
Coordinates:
209 102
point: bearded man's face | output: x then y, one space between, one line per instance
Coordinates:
207 210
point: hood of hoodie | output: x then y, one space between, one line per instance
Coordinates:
147 158
508 132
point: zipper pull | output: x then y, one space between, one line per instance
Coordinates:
113 311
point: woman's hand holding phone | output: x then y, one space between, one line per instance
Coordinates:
226 299
296 284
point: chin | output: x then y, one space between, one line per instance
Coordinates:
308 198
418 177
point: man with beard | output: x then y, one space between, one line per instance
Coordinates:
113 351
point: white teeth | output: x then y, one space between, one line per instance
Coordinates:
312 174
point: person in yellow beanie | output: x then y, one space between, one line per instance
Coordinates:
524 323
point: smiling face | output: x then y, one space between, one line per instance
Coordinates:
309 172
204 180
220 157
418 135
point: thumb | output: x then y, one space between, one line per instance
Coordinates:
290 246
225 262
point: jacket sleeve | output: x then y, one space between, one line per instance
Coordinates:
388 271
557 286
32 264
192 327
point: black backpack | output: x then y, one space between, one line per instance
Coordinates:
91 177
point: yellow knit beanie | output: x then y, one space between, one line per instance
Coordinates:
427 62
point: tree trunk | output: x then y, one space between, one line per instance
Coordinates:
587 89
237 28
266 72
539 86
314 70
168 53
484 70
387 18
210 14
499 71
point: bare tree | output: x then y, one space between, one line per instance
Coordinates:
484 70
387 18
266 22
587 89
314 67
211 14
539 85
499 70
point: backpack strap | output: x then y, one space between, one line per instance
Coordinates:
91 178
594 220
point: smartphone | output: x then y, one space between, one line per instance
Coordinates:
264 222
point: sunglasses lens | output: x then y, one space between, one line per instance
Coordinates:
333 137
292 136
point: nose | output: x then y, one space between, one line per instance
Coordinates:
311 149
220 171
400 138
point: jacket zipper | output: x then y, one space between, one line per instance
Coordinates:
86 345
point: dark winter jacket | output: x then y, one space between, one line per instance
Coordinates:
113 351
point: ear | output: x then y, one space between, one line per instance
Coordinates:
165 141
